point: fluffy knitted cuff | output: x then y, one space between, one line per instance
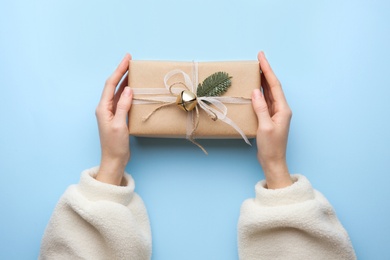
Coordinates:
301 190
95 190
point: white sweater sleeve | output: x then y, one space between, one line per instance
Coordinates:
296 222
95 220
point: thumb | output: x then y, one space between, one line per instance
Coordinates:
260 107
124 104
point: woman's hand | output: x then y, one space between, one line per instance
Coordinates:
274 116
112 112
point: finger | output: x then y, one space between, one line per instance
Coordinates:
275 88
267 94
113 80
123 106
119 91
260 107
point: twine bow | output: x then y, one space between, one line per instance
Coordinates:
213 106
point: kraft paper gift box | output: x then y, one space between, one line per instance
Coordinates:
170 120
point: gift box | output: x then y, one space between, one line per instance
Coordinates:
156 85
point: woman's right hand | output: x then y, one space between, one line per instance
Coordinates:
112 113
274 116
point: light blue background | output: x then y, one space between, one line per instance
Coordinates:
331 56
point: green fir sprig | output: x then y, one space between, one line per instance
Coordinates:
214 85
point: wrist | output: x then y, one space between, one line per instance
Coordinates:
111 172
277 174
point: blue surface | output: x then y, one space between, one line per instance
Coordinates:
331 56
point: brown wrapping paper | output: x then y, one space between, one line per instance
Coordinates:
171 121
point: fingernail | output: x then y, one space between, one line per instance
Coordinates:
127 91
256 94
264 54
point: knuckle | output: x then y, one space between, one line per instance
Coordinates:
277 84
289 113
115 128
121 106
261 108
99 111
108 81
266 129
286 111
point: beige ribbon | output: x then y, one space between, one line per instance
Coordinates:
213 106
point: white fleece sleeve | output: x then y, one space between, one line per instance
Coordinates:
296 222
95 220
